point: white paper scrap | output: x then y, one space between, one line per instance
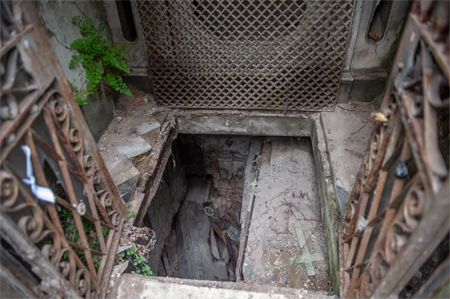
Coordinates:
42 193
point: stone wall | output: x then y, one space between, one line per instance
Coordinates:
56 15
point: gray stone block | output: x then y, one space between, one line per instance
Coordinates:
147 127
134 147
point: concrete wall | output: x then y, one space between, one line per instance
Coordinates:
368 63
56 15
136 56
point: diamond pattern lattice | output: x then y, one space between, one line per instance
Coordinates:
246 54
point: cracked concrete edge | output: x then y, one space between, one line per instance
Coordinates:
308 125
329 205
138 286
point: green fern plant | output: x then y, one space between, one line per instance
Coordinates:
79 95
104 62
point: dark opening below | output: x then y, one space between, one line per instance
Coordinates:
201 191
239 202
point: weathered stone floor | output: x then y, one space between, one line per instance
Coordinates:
347 132
286 244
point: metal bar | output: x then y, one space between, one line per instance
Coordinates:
27 250
110 261
70 191
368 231
117 200
42 181
422 242
52 153
24 127
386 141
76 245
438 53
66 205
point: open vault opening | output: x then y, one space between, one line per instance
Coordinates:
240 208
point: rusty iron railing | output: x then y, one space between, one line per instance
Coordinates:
231 54
61 246
394 236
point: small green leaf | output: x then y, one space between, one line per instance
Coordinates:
102 60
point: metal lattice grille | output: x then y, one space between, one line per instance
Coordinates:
246 54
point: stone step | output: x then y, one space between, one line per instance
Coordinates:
123 172
138 286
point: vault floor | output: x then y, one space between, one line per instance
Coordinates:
286 210
286 245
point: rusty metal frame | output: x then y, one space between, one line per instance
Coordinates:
393 222
233 54
39 110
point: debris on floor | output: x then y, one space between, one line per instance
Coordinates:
204 240
281 228
130 138
134 247
286 244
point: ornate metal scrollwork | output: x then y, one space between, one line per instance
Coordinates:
38 111
418 103
405 221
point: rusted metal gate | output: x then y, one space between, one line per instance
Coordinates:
394 238
61 215
235 54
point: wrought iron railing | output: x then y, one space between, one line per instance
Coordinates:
394 236
61 215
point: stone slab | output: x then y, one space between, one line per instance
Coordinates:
134 147
244 125
138 286
127 188
198 190
347 131
120 168
286 193
147 127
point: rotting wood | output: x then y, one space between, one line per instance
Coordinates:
153 184
244 238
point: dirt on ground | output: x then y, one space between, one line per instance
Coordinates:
130 112
286 216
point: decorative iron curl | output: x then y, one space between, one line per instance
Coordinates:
83 282
406 220
9 189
